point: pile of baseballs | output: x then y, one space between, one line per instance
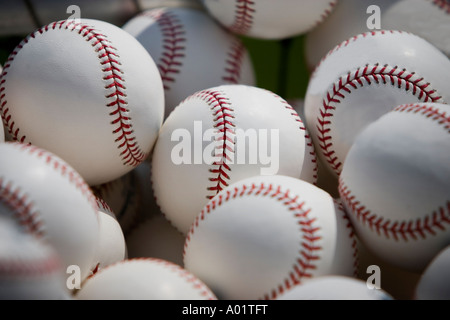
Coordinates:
144 161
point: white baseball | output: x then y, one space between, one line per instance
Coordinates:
429 19
112 246
324 178
395 183
365 77
268 19
218 136
191 50
86 91
30 269
124 196
144 279
156 237
334 288
262 235
51 201
434 283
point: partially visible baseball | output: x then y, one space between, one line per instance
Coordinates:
30 269
334 288
365 77
221 135
124 197
94 97
429 19
267 19
51 201
434 283
192 52
311 170
112 246
395 182
156 237
144 279
262 235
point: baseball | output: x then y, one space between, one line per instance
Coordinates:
363 78
434 281
429 19
156 237
395 181
144 279
218 136
183 41
124 197
267 19
111 246
94 97
51 201
30 269
262 235
334 288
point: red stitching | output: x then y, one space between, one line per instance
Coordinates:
309 142
398 230
309 250
101 204
183 273
352 234
130 152
18 267
173 44
60 167
325 14
345 43
428 111
223 115
443 4
234 62
22 208
394 76
243 18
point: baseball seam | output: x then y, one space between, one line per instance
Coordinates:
324 14
22 208
367 75
309 247
243 16
397 229
123 187
428 111
223 118
190 278
71 175
17 267
129 149
352 234
173 44
443 4
309 143
347 42
102 205
233 62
